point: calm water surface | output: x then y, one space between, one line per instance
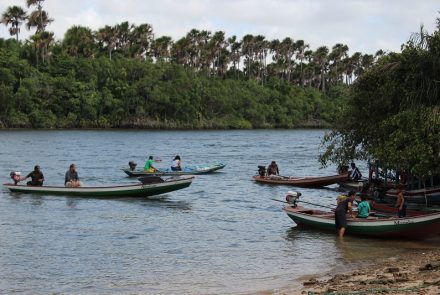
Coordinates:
221 235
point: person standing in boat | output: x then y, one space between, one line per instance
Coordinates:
400 204
355 174
176 165
344 207
37 177
71 178
149 165
272 169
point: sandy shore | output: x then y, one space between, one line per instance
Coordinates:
414 272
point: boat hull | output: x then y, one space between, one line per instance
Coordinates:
420 196
415 227
137 190
301 181
191 170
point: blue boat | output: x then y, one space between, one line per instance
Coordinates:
187 170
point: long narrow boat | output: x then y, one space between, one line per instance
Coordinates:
135 190
415 227
187 170
430 195
302 181
412 209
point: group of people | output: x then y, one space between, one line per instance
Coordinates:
272 169
176 164
345 206
71 178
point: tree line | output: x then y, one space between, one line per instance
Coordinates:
123 75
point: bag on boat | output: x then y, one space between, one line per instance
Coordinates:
15 176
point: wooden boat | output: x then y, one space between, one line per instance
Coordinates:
301 181
187 170
353 185
411 209
429 195
415 227
135 190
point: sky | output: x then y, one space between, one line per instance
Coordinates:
363 25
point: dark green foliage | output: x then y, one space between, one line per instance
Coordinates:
75 91
393 114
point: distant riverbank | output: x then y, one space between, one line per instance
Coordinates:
145 124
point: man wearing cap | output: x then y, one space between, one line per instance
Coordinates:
36 176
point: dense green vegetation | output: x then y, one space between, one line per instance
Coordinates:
393 114
121 76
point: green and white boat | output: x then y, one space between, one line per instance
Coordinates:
118 191
187 170
415 227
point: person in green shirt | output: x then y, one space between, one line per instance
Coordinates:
363 208
149 165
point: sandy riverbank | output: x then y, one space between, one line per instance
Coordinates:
414 272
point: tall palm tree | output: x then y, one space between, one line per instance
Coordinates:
79 41
141 37
321 60
235 55
39 19
300 55
339 52
161 48
107 38
14 16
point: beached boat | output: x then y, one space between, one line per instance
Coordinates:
414 227
187 170
429 195
307 181
135 190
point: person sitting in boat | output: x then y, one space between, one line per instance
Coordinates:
363 207
341 211
71 178
176 164
149 165
37 177
272 169
355 174
400 204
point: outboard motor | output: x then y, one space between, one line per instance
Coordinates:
292 198
15 176
132 165
262 171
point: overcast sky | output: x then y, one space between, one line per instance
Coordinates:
364 25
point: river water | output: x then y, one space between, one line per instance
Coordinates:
222 235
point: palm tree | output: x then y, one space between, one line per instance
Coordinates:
38 18
79 40
161 48
107 38
339 52
141 38
321 60
287 50
14 16
235 56
300 55
248 51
